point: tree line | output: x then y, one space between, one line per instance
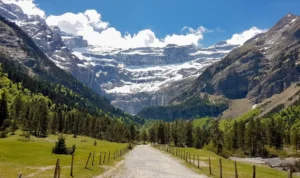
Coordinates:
36 114
248 135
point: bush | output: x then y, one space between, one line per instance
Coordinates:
209 147
3 134
272 152
239 153
71 150
130 146
61 148
25 134
226 153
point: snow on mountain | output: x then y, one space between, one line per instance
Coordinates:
132 78
136 76
31 20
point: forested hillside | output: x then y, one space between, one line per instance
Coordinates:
198 106
36 114
24 62
274 134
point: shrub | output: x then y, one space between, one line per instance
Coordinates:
71 150
3 134
130 146
226 153
61 148
209 147
25 134
272 152
239 153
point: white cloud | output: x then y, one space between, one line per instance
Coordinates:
97 32
241 38
27 6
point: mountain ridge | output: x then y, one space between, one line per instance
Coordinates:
264 66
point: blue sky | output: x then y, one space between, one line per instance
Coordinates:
163 17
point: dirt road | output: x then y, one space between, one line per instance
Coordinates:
147 162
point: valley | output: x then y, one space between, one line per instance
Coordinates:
82 97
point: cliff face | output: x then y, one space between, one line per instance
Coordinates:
265 65
131 78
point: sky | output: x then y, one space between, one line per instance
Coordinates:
140 23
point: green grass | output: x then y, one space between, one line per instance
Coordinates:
35 157
244 169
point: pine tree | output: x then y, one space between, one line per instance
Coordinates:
161 133
61 121
250 137
145 136
217 137
60 146
189 134
54 123
199 138
152 135
235 144
241 134
295 139
132 132
175 132
3 108
17 106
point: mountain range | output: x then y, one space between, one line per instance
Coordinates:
131 78
263 72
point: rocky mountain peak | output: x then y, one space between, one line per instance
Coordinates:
284 21
263 66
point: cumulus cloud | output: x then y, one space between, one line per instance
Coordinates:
241 38
90 25
28 7
97 32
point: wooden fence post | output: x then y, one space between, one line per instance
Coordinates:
198 162
180 152
190 157
93 158
56 167
235 170
104 157
58 171
100 158
220 162
108 159
194 160
290 174
209 163
87 162
72 162
254 171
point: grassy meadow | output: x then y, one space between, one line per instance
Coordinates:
34 158
244 169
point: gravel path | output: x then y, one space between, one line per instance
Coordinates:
147 162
